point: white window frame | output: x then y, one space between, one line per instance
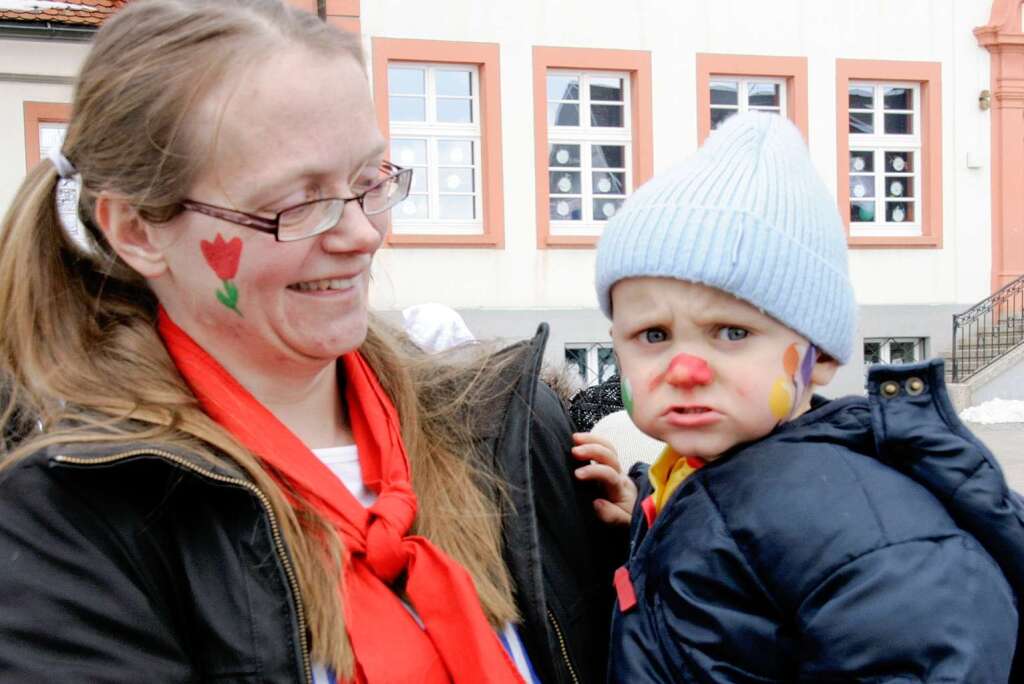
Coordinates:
585 136
433 131
878 143
885 350
743 95
592 375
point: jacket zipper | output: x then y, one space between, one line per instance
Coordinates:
562 646
307 667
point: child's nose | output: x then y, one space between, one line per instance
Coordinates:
688 371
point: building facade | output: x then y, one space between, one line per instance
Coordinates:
529 122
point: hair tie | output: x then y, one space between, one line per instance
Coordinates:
65 169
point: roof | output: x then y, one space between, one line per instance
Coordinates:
70 12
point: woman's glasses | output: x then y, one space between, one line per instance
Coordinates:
309 219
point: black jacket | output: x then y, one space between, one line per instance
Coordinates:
145 564
806 556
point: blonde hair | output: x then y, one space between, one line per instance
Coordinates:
79 344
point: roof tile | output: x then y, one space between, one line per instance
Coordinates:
78 17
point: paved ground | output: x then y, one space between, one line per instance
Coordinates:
1006 440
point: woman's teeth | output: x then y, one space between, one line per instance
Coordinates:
320 285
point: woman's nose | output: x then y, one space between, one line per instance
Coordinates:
688 371
354 231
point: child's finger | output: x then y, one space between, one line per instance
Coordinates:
596 452
591 438
609 513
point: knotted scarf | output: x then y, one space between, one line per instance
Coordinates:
455 643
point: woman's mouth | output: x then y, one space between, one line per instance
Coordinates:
325 285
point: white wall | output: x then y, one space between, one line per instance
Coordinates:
520 276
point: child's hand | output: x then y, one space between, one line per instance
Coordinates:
603 467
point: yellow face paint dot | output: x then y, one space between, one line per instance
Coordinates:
780 401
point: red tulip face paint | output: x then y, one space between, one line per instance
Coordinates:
223 257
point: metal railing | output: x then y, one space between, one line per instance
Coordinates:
988 330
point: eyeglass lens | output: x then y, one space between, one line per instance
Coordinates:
314 218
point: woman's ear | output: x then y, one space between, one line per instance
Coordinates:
824 370
130 235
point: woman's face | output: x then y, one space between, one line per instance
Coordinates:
293 128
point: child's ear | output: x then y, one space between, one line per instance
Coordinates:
824 370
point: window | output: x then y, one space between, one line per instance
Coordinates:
889 152
439 103
435 130
592 121
594 362
727 84
885 146
730 95
893 350
589 148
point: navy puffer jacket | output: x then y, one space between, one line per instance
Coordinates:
871 539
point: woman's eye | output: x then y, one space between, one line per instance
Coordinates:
655 335
732 333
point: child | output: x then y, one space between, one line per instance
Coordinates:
771 542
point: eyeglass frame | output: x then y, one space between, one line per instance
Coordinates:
268 225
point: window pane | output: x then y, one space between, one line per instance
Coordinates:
409 151
576 358
606 89
899 186
899 162
605 363
862 186
763 94
605 183
563 155
899 212
862 122
606 116
455 179
902 352
563 114
563 87
862 161
455 152
608 156
457 207
725 93
406 81
872 352
408 108
898 98
605 208
899 124
720 115
566 209
862 212
862 97
454 111
419 179
564 182
412 207
453 82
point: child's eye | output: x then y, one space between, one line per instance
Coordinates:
732 334
655 335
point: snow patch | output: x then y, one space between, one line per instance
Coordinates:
995 411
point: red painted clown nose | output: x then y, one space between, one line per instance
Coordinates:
688 371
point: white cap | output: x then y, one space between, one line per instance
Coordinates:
435 327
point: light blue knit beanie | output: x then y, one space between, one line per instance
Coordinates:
747 214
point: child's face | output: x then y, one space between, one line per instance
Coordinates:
707 371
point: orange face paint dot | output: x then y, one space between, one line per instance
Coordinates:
780 401
790 360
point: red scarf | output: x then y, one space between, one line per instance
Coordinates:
456 643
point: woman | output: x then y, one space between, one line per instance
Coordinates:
240 476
